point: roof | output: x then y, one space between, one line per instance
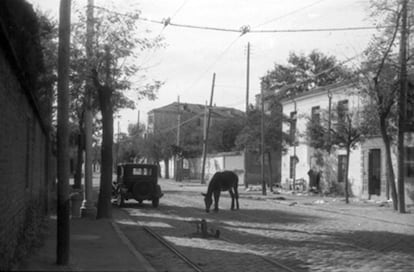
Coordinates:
319 90
223 112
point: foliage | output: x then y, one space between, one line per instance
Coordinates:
346 128
305 73
275 138
120 34
131 146
160 145
223 134
379 73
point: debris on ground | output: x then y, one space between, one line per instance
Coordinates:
203 231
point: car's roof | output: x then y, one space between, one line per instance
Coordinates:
137 165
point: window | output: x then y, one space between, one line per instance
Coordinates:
293 121
409 162
342 109
341 168
316 114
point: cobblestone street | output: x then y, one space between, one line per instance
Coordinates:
278 232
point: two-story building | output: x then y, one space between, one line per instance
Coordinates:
191 117
367 164
301 158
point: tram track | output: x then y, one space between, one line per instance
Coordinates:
280 266
239 238
141 239
192 265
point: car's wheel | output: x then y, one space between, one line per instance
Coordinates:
120 200
155 202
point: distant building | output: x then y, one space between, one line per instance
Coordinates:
166 117
165 120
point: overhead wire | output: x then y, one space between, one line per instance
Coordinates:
289 13
216 60
246 28
149 57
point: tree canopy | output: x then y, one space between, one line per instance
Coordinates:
305 72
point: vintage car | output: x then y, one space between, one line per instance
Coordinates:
137 181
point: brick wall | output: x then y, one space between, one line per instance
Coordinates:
24 166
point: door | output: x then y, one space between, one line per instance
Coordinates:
374 172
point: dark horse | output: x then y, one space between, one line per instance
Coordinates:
222 181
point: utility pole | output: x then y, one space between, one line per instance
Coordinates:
205 140
262 142
88 209
247 110
248 77
177 164
117 141
402 107
63 220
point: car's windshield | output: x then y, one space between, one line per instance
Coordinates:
137 171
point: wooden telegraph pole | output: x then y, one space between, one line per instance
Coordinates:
177 158
247 111
205 140
63 221
402 107
262 144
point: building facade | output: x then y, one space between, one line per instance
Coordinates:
176 119
367 165
301 158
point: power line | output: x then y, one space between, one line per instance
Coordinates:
290 13
213 63
246 28
148 58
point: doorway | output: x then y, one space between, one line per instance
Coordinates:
374 172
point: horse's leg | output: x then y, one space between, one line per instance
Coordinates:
232 198
216 200
236 195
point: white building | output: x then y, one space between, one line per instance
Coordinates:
367 164
300 157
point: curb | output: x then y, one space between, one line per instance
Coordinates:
146 265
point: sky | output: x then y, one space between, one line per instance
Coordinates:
191 56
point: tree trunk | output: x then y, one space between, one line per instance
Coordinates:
348 153
269 160
79 161
167 171
389 169
104 201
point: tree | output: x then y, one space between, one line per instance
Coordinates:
275 139
345 131
117 44
131 146
223 134
304 73
379 74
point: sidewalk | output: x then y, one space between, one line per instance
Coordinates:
96 245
